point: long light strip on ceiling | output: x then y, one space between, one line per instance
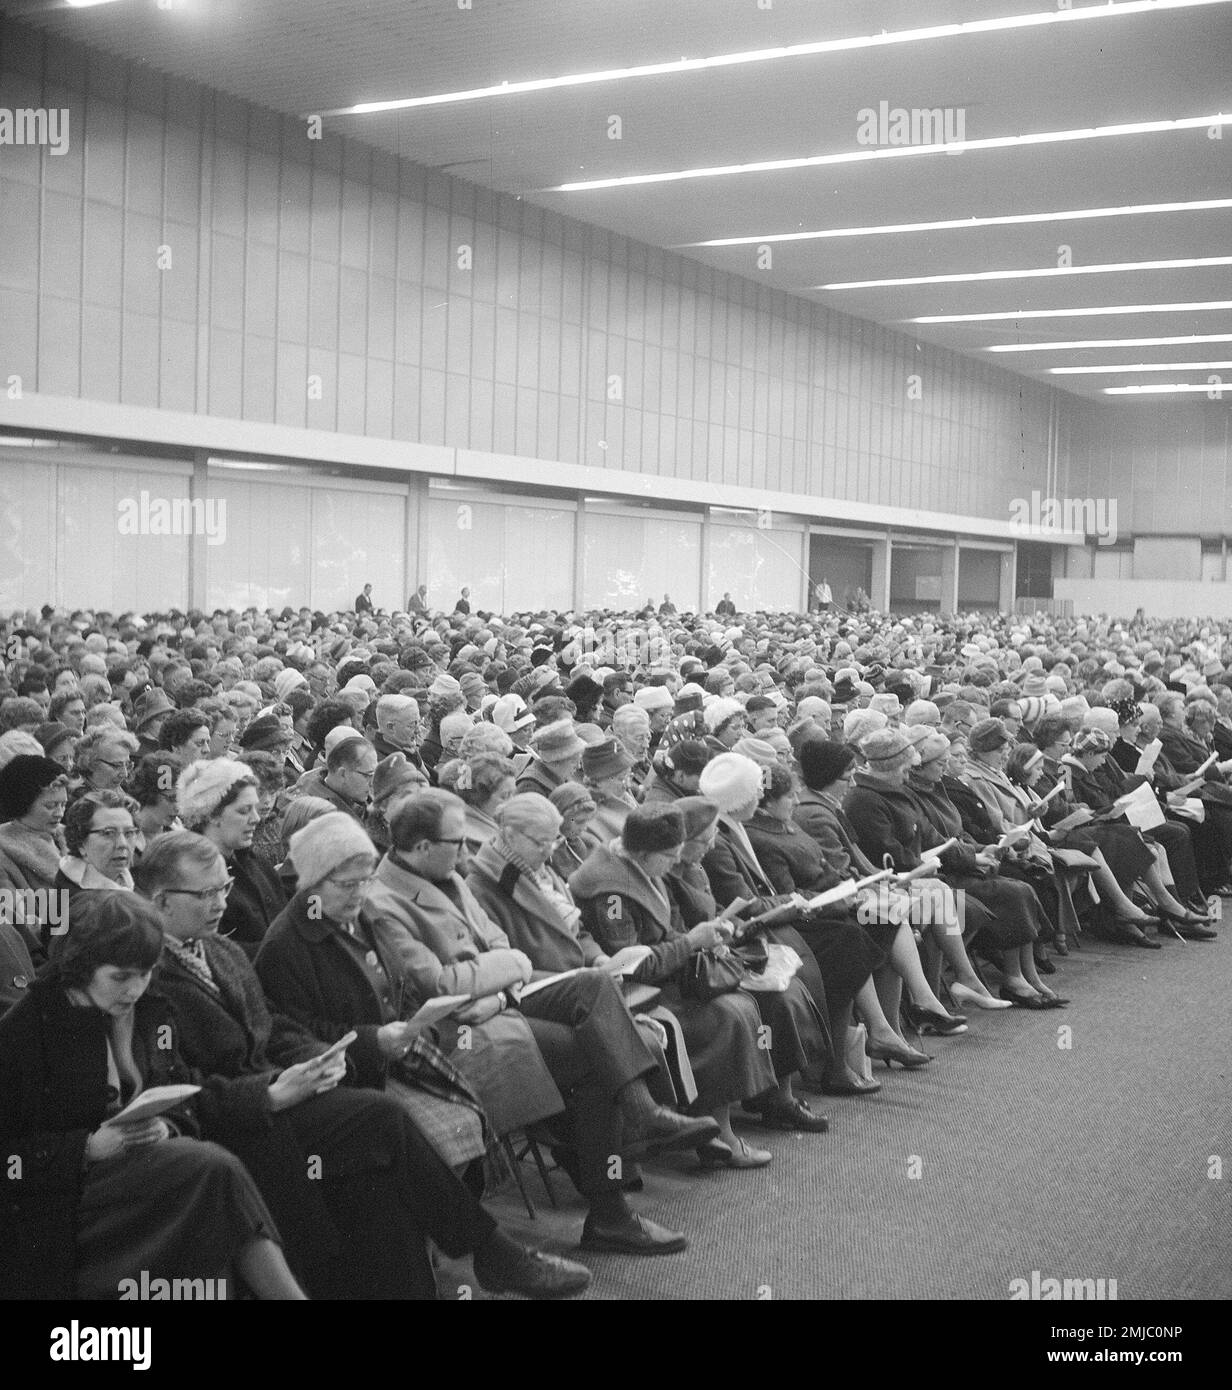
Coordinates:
1110 343
964 223
1206 387
1111 268
1194 306
766 55
1142 367
951 147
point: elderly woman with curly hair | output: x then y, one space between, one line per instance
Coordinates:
483 783
103 759
101 835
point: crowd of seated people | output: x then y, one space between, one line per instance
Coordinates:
390 889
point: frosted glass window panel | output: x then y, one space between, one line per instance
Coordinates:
108 554
264 561
762 569
466 543
28 523
358 538
629 559
538 558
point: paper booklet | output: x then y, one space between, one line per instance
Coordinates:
1081 816
436 1009
938 850
627 960
156 1101
536 985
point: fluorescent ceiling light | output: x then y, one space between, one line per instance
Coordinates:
949 147
766 55
1143 367
85 4
1194 306
1111 268
963 223
1111 342
1162 390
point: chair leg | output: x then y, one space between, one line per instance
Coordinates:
537 1155
515 1168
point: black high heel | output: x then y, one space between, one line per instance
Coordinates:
906 1057
928 1021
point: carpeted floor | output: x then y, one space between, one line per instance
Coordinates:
1084 1162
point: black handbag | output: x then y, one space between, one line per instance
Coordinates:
722 969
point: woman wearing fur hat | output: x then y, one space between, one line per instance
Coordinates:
220 800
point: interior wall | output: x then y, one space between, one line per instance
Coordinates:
194 253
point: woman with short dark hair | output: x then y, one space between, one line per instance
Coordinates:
115 1202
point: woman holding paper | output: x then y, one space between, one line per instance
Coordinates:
323 966
888 825
793 862
105 1202
625 902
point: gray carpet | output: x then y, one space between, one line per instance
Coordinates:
1084 1163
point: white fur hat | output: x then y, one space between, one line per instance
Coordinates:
203 786
730 780
325 843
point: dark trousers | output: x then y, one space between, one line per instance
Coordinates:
385 1188
593 1049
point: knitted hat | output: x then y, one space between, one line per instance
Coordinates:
557 742
286 681
607 759
571 796
326 843
653 829
52 735
653 697
149 705
730 780
698 815
23 780
1035 683
762 753
1032 708
510 713
987 735
203 785
393 775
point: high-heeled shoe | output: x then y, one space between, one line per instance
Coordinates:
1191 928
1130 933
964 994
1060 945
850 1088
906 1057
1023 1001
923 1020
1045 966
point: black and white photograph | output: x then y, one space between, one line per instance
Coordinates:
616 669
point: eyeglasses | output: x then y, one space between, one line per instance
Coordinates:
128 762
352 885
203 895
446 840
115 834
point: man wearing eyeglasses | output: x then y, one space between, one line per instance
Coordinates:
958 719
598 1057
346 779
352 1183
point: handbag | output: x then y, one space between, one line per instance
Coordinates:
722 969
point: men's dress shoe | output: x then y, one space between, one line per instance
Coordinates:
504 1266
664 1129
785 1114
635 1235
718 1154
